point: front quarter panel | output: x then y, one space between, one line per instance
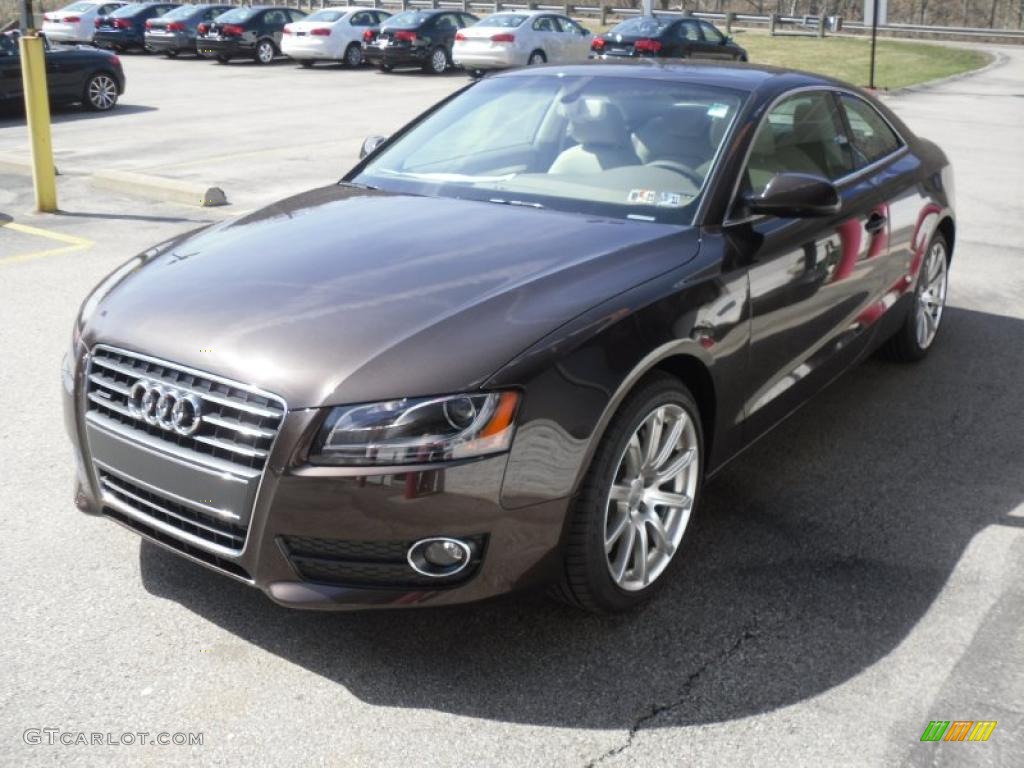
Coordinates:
575 379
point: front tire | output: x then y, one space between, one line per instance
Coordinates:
437 64
537 58
223 59
306 63
636 501
917 334
100 93
265 52
353 56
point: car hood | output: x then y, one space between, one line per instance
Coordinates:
343 295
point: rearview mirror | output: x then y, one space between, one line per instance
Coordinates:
795 195
370 144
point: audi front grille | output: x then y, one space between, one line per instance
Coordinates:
179 452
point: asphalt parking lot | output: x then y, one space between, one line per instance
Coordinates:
855 575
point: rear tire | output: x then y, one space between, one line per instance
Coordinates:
171 54
306 63
385 67
921 326
100 94
614 523
537 58
223 59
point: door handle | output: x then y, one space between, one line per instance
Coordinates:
876 221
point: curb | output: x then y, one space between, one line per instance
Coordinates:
160 188
996 59
18 164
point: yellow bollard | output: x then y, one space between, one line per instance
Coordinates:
37 112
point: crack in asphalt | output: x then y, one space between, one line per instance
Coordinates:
659 709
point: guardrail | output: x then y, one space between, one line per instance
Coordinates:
815 25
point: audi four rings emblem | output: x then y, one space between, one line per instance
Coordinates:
165 407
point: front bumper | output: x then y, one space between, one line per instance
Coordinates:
318 537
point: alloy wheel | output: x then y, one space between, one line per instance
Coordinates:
931 295
438 61
265 52
102 92
651 498
353 56
536 58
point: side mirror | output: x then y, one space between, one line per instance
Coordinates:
584 31
795 195
726 40
370 145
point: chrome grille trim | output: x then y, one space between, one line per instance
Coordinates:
130 510
239 425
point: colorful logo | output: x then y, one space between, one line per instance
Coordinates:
958 730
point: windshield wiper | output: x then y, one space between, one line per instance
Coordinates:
524 203
358 185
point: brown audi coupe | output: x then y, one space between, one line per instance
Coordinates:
507 349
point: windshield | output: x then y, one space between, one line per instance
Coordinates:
647 27
407 19
235 16
629 148
325 16
127 10
506 20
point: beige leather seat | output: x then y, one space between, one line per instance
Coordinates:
768 158
604 140
681 138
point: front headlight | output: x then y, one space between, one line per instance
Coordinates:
417 431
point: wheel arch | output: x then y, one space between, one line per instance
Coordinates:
947 228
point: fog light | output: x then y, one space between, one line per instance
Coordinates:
439 557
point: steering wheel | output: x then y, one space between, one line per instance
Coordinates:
672 165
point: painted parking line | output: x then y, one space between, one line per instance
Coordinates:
70 243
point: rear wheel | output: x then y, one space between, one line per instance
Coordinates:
913 340
265 52
384 67
306 63
353 55
636 501
171 53
223 59
100 92
537 57
438 62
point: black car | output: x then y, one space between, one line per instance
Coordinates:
421 38
670 37
247 33
175 32
125 28
73 75
509 346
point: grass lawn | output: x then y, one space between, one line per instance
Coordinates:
897 62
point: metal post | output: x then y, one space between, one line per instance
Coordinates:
28 24
604 15
771 23
730 17
874 36
37 115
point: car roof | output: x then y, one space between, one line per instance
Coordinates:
739 76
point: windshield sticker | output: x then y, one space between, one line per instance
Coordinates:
654 197
718 110
642 197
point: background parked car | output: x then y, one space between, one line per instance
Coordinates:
331 34
75 23
247 32
73 75
417 39
125 27
176 31
667 37
516 39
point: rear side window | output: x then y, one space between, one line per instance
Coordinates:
274 17
689 30
872 137
711 34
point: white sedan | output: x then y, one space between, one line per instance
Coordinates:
331 35
515 39
74 23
